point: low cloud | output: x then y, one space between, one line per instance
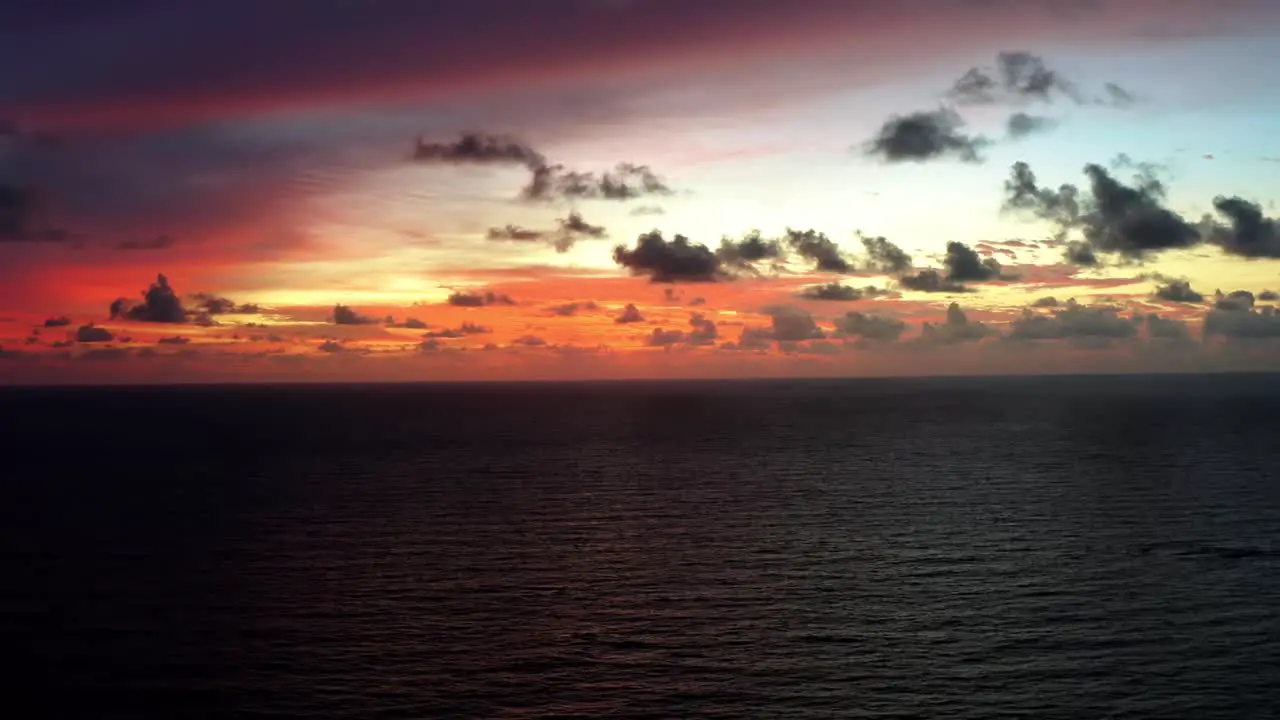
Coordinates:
821 250
677 260
630 314
478 299
1021 125
884 256
570 230
215 305
1248 233
965 265
1242 324
160 304
836 292
955 330
931 281
570 309
746 252
792 324
1178 291
93 334
869 327
344 315
61 321
1072 321
924 136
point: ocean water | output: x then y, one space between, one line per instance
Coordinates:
965 548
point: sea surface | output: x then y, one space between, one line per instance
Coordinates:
1087 547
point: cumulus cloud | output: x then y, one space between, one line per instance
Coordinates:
1019 77
816 247
1236 300
1242 324
215 305
479 149
1249 233
479 299
665 338
956 329
1113 217
869 327
932 281
93 334
570 309
884 256
1269 296
463 330
1045 302
746 252
1021 125
1159 328
626 181
927 135
175 340
160 304
61 321
344 315
792 324
330 346
677 260
834 291
964 264
1072 321
704 330
1178 291
630 314
570 230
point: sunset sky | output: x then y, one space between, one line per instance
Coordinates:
510 189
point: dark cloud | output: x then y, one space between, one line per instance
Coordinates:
626 181
331 346
463 330
869 327
1020 125
529 341
965 265
175 340
923 136
752 248
1250 233
215 305
1166 329
479 149
61 321
704 330
470 299
1072 321
1237 300
159 242
160 304
1114 218
93 334
814 246
1080 253
1045 302
571 229
1017 76
1269 295
884 256
344 315
1178 291
956 329
1242 324
931 281
665 338
630 314
834 291
569 309
792 324
677 260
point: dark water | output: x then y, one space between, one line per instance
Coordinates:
1075 548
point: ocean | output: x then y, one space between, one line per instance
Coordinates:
1054 547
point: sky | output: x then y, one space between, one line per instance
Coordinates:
387 190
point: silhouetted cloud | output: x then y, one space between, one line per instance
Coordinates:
1080 253
630 314
529 341
1269 295
515 233
215 305
792 324
330 346
704 330
1236 300
175 340
834 291
1242 324
61 321
626 181
93 334
1167 329
884 256
1114 217
563 238
1072 321
814 246
479 149
665 338
1020 77
869 327
159 242
965 265
1020 125
752 248
956 329
569 309
463 330
1045 302
1178 291
160 304
931 281
478 299
927 135
344 315
1250 234
677 260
